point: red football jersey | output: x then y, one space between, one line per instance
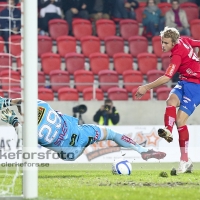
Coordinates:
185 61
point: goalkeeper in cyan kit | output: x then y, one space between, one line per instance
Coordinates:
62 134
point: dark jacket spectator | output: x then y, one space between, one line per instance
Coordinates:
74 8
153 21
49 9
107 114
125 9
10 18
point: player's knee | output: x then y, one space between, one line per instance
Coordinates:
180 122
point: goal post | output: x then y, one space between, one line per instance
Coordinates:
29 86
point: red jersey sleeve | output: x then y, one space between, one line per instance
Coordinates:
193 43
173 66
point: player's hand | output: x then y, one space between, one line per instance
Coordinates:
140 92
9 116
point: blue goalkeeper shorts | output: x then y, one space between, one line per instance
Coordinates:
188 94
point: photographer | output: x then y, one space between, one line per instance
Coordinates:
107 114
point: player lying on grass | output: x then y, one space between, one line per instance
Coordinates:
62 134
185 95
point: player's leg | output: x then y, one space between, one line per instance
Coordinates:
173 101
127 142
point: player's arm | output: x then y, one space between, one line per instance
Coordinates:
171 70
10 117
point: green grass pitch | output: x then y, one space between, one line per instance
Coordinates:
96 182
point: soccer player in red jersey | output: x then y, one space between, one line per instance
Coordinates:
185 95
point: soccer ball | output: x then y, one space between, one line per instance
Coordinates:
121 167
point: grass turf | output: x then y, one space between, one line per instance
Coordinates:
96 182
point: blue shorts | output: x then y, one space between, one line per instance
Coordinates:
188 94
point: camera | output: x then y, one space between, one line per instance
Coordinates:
80 109
107 107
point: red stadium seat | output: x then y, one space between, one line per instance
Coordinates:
81 28
74 62
157 47
132 79
3 5
45 94
18 61
164 7
58 27
139 11
165 59
50 61
105 28
5 61
108 79
116 93
44 44
90 44
146 62
15 93
1 93
68 94
41 79
88 94
98 62
9 79
122 62
145 97
15 45
1 44
163 93
154 74
113 45
191 9
59 79
138 44
83 79
66 44
128 28
195 28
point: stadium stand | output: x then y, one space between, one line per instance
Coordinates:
44 44
128 28
83 79
139 11
1 44
49 62
41 79
113 45
146 62
116 93
88 94
58 27
98 62
156 44
108 79
164 7
195 28
45 94
5 61
122 62
105 28
68 94
59 79
74 62
66 44
81 28
138 44
89 45
15 45
132 79
162 93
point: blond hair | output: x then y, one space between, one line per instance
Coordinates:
172 33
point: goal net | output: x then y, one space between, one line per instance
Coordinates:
18 79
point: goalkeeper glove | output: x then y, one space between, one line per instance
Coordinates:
9 116
4 102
